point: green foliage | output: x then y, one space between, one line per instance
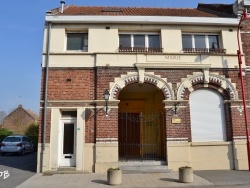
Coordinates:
32 130
4 132
32 133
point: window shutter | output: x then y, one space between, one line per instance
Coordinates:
207 116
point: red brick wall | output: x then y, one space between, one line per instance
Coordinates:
84 86
180 130
238 123
245 37
107 126
71 84
107 75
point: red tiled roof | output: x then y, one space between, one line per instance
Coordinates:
33 114
133 11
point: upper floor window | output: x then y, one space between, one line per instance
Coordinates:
139 43
201 43
77 41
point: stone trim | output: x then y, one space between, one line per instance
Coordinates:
141 77
206 78
107 140
240 138
176 140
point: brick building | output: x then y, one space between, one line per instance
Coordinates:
19 120
172 76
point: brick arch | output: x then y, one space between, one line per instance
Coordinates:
215 80
133 77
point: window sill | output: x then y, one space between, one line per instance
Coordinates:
76 51
212 143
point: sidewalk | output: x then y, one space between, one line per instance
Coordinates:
224 178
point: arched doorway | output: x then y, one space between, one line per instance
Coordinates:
141 126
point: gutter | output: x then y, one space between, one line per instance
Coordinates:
143 20
49 26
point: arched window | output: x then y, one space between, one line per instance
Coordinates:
207 116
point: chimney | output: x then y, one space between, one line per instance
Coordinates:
62 6
20 106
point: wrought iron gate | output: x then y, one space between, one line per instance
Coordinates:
141 136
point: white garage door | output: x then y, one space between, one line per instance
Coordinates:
207 116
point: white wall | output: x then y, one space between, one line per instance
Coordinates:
103 46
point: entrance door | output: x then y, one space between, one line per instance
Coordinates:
141 136
129 135
68 138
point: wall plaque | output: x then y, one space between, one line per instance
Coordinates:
176 120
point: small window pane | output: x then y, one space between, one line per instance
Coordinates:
124 40
187 41
69 113
199 41
68 138
213 41
77 41
154 41
139 41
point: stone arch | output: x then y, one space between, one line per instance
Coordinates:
224 84
148 77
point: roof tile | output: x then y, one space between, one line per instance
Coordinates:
134 11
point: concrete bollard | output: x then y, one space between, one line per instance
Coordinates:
186 174
114 176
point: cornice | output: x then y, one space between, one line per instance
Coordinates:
144 20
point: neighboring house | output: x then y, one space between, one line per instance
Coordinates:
19 120
2 116
172 76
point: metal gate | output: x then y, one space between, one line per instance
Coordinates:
141 136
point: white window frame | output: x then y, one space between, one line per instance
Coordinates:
206 38
138 33
75 32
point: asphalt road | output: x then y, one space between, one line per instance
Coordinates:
16 169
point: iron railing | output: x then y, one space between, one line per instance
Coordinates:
140 50
205 50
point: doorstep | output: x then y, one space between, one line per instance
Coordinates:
65 170
150 166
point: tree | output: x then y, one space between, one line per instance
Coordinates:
32 130
32 133
4 132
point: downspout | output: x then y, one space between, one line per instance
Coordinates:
49 25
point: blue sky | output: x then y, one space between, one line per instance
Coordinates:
21 36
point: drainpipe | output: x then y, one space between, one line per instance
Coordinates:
49 25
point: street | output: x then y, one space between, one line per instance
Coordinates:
15 169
